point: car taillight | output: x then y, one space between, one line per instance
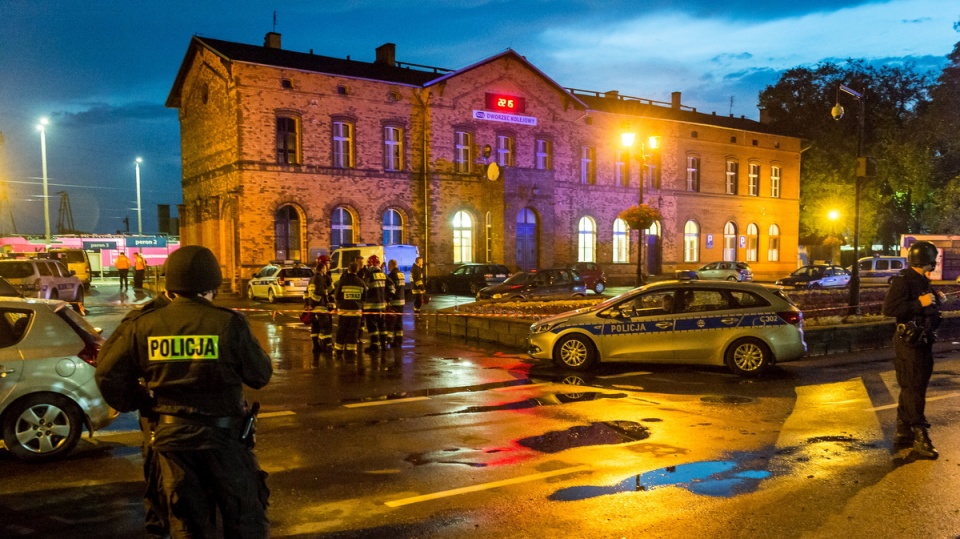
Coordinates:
791 317
280 281
89 353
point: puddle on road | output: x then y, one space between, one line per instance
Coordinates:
600 433
548 399
741 474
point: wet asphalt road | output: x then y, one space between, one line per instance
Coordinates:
444 438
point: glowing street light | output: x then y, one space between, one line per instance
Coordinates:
627 139
46 198
139 216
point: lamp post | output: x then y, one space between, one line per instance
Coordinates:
862 176
139 217
627 139
46 198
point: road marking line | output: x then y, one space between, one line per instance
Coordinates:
894 405
624 375
485 486
275 414
383 402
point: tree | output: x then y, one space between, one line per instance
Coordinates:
640 218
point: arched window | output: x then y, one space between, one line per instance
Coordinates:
621 243
753 242
341 227
730 242
773 250
392 227
286 226
691 242
462 238
587 240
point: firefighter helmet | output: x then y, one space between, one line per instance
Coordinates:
373 260
323 260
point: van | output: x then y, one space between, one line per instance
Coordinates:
405 255
77 261
880 269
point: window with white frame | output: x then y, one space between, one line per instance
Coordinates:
588 171
343 156
489 230
730 242
341 227
753 242
392 227
587 240
753 179
621 243
463 152
621 169
462 238
691 242
544 151
775 181
392 148
693 173
733 177
505 145
773 244
288 140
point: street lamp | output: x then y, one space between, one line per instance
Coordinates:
627 139
46 198
862 176
139 217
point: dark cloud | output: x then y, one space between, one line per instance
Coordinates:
105 114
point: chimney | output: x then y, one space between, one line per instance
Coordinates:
764 115
675 100
271 40
612 94
387 55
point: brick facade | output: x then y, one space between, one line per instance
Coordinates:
230 95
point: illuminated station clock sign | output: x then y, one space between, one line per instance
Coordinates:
509 104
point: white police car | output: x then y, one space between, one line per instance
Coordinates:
279 280
744 326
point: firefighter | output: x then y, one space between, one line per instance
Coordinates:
319 301
375 303
418 278
348 295
396 288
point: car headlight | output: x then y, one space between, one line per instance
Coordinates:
541 328
496 296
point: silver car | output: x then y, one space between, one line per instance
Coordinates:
745 326
48 356
275 282
43 278
726 271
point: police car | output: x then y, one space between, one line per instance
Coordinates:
279 280
745 326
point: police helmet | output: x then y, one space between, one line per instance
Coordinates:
193 269
373 260
922 253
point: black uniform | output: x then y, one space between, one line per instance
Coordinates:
348 294
319 299
395 289
418 286
913 362
194 359
374 306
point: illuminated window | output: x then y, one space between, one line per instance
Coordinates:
775 181
286 226
392 148
733 177
693 173
544 154
288 141
730 242
773 249
392 227
691 242
341 227
588 171
343 156
587 240
753 179
621 169
462 238
462 152
489 230
621 244
505 150
753 242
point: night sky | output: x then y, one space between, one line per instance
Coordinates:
101 71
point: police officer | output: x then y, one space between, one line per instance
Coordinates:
318 300
348 294
375 303
193 359
913 302
418 278
396 283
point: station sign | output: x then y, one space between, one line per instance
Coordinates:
147 241
486 115
97 246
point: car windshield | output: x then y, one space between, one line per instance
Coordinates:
292 273
16 270
522 277
806 271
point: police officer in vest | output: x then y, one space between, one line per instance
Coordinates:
916 306
348 294
396 288
187 363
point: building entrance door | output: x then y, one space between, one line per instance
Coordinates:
527 240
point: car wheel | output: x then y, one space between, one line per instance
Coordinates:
250 292
731 278
271 297
579 295
444 287
575 352
42 426
599 288
815 286
474 288
748 357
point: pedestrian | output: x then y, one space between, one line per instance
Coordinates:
418 277
375 303
916 306
122 264
396 288
319 301
139 268
348 295
186 363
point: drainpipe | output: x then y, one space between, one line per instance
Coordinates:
426 184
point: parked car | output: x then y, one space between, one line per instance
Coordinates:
43 278
279 280
77 261
543 283
593 276
745 326
7 290
48 356
880 269
470 278
726 271
816 276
